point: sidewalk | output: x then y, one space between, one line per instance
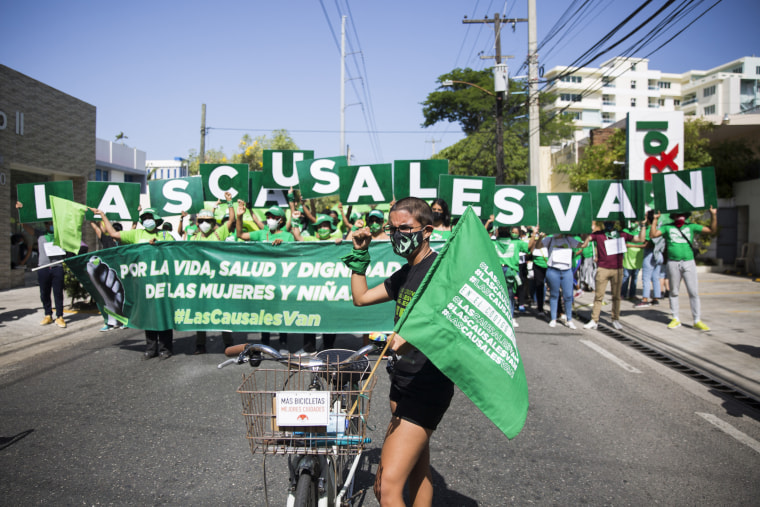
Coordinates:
730 351
21 334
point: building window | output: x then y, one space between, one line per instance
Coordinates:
633 102
663 84
633 85
574 115
757 71
570 97
661 102
130 178
633 67
571 79
608 118
608 82
101 175
676 102
738 70
709 110
710 90
607 100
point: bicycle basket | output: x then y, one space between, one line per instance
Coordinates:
345 433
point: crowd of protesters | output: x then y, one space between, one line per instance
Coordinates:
537 267
660 249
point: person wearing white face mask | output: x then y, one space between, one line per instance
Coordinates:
209 231
274 233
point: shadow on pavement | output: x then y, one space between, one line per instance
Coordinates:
9 441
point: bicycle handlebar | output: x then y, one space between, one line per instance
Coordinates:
252 354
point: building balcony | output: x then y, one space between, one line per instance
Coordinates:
689 101
608 102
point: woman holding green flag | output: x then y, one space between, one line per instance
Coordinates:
420 393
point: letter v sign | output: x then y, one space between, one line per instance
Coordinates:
564 219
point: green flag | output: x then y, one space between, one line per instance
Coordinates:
67 223
459 318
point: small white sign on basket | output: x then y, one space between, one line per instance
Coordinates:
303 408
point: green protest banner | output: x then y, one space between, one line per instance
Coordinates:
459 318
685 191
279 167
617 199
566 213
212 285
515 205
119 201
366 184
320 177
463 191
172 197
418 178
221 178
35 198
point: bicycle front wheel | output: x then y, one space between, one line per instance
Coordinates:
306 491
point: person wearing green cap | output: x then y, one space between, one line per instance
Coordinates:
157 343
274 232
325 231
208 230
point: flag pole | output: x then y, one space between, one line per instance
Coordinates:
374 368
48 265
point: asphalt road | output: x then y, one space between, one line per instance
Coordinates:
95 425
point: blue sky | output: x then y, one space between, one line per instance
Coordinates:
263 65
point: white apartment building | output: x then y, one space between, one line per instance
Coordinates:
599 97
118 163
167 169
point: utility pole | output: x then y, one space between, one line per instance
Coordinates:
534 129
202 157
497 22
433 141
343 86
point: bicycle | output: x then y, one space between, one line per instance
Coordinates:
315 411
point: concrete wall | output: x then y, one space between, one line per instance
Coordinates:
45 135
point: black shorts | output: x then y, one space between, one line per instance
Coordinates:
418 409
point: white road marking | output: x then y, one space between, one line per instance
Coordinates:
730 430
612 357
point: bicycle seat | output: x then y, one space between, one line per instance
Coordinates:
335 356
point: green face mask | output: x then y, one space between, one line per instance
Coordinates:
514 236
323 232
374 227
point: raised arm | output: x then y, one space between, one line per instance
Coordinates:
107 224
360 292
240 211
654 232
713 229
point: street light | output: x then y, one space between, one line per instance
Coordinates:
500 83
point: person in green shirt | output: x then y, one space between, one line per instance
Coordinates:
633 261
679 238
274 233
325 231
157 343
209 230
508 247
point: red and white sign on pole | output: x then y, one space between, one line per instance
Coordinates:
654 143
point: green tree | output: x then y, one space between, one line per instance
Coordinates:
597 162
212 156
734 161
696 146
252 150
474 109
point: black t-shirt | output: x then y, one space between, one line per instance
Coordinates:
413 371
